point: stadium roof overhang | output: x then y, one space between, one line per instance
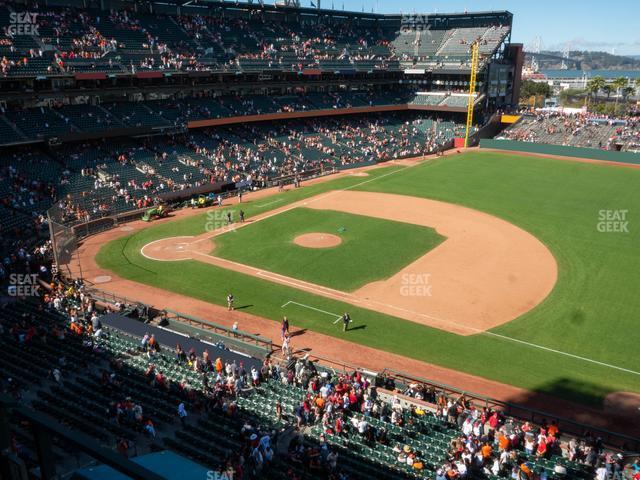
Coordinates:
443 20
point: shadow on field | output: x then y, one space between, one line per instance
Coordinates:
580 408
242 307
359 327
297 333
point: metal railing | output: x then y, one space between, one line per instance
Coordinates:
615 440
521 412
329 364
245 337
243 341
97 225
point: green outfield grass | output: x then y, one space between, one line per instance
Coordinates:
592 312
372 248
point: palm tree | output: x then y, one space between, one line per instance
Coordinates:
626 93
617 84
608 89
594 86
638 84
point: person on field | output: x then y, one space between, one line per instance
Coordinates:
229 220
230 301
286 346
346 319
241 214
284 329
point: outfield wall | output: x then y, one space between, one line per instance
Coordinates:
562 150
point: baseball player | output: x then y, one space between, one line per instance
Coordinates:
346 319
230 301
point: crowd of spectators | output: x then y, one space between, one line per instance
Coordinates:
132 174
214 395
98 178
578 129
130 41
61 119
487 442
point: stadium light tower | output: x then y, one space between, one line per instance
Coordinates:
472 90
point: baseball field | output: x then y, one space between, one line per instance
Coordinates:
518 269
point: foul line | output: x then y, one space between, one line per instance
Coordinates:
481 332
270 203
338 317
578 357
304 202
300 284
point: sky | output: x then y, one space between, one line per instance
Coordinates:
612 26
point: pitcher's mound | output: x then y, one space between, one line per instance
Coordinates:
317 240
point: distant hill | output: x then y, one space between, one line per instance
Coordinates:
585 60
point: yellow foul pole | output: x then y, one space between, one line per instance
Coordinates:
472 91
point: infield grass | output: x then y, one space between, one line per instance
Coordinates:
592 311
372 248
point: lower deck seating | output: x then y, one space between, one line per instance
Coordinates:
104 177
577 131
125 392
